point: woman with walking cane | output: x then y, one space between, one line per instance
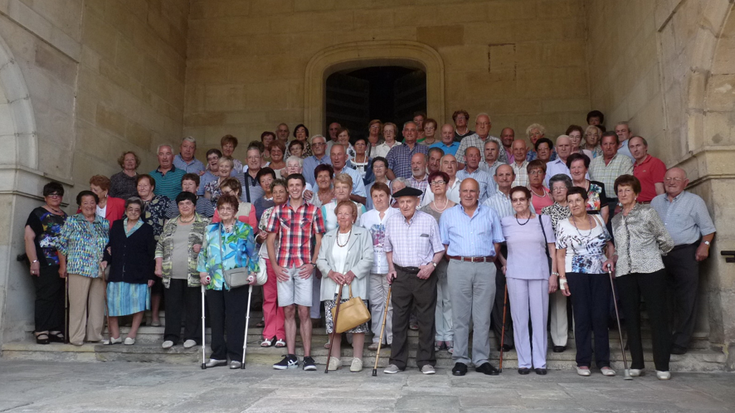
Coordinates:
42 229
584 254
228 244
641 239
345 257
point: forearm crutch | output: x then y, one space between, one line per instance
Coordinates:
502 330
382 330
338 299
204 333
247 323
627 375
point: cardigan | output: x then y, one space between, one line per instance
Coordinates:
131 259
164 248
359 261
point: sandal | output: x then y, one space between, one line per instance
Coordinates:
260 324
42 338
280 343
56 337
267 342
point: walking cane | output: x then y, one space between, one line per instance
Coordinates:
204 333
338 299
620 330
247 322
382 330
66 309
502 330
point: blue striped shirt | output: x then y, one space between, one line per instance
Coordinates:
168 184
487 184
470 236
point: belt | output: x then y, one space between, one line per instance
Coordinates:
411 270
490 258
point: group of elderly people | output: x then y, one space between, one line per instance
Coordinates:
457 231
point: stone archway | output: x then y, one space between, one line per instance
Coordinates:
371 53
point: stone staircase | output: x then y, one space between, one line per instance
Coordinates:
702 357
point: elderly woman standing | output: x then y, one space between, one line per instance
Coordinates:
559 211
265 178
390 130
130 254
342 191
345 258
591 146
80 246
213 189
227 244
123 183
540 196
278 149
228 144
597 203
324 175
375 138
575 134
379 166
176 263
528 272
438 184
584 255
301 133
534 132
641 239
42 230
245 211
109 208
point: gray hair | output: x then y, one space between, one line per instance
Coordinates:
400 179
623 123
533 126
318 136
411 122
164 145
297 159
561 178
483 114
189 139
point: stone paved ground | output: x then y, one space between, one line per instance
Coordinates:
31 386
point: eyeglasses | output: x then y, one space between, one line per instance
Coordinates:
559 189
438 183
55 196
536 172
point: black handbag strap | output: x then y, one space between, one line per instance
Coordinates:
546 240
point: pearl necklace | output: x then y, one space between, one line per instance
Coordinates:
349 234
446 203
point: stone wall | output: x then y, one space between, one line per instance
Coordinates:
522 61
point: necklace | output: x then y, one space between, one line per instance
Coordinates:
446 202
349 234
54 210
574 222
519 222
544 193
181 221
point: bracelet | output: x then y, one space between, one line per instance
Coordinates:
554 273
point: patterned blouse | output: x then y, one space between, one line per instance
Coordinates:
47 227
585 249
557 213
155 213
165 248
596 197
261 227
123 186
237 246
640 240
83 243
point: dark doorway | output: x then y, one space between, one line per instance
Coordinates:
389 93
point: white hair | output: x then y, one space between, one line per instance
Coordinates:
293 158
189 139
164 145
318 136
483 114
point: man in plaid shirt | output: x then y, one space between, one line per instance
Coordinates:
295 222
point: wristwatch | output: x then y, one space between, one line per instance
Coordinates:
706 243
432 263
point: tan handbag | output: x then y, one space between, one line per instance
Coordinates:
352 312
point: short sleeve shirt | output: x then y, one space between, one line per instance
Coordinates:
585 249
650 172
295 227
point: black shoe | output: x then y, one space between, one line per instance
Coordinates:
541 372
459 369
678 350
289 362
488 369
524 370
309 364
507 347
559 349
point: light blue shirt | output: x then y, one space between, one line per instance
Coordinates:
470 236
204 180
358 186
448 150
500 203
310 165
555 167
192 167
686 217
487 184
625 150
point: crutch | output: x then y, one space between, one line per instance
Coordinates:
204 333
620 330
382 330
338 299
247 322
502 330
66 309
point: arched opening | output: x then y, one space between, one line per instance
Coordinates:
389 93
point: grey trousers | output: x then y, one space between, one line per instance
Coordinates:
472 289
443 315
378 290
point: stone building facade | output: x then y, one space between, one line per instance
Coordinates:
83 80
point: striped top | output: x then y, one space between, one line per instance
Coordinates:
168 184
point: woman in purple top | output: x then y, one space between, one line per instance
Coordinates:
531 256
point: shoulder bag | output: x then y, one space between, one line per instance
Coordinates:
235 277
352 312
546 242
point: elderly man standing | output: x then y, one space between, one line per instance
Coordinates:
413 249
471 234
520 165
251 190
508 136
419 178
185 159
491 162
449 167
167 176
282 132
559 165
472 170
447 144
478 139
399 157
622 129
688 222
650 171
319 157
333 130
338 156
435 159
608 167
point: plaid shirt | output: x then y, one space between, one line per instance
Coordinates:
295 229
412 242
419 184
521 174
607 174
474 140
399 158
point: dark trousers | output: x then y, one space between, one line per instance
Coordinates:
411 291
682 277
49 305
652 287
227 310
590 296
496 319
182 299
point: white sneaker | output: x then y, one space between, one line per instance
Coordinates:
334 364
391 369
428 369
356 365
635 372
167 344
663 375
189 343
112 340
129 341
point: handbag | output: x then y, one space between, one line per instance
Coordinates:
261 277
546 242
235 277
352 312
